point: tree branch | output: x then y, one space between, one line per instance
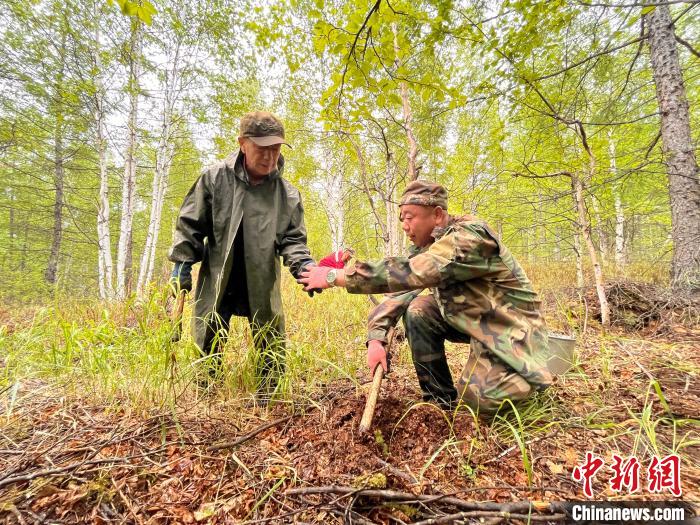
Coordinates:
641 4
591 57
686 44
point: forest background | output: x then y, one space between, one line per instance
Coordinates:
522 109
572 127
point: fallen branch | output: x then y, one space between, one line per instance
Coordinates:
451 518
249 435
393 495
59 470
396 471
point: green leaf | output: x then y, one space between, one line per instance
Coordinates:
148 6
648 9
144 15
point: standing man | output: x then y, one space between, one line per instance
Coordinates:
238 218
479 295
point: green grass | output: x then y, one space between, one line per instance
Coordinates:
124 353
121 356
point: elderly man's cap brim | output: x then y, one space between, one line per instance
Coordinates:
270 140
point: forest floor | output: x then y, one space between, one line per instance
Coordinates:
69 457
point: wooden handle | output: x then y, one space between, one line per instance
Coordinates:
177 317
371 403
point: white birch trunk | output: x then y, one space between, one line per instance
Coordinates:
164 156
104 244
619 210
600 231
580 281
129 179
585 229
407 114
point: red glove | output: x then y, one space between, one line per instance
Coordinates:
376 355
336 259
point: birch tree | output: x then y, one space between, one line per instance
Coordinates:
128 200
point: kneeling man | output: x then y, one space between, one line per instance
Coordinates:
479 294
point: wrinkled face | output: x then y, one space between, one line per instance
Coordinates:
418 222
260 161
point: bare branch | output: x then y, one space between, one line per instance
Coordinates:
591 57
640 4
686 44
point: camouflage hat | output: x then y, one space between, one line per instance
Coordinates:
263 128
424 193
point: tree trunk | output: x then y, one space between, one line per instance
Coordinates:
678 149
58 174
600 231
619 210
407 113
124 255
579 186
164 157
392 247
585 229
104 243
580 281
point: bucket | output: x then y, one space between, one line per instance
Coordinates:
562 348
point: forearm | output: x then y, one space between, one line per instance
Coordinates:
386 314
292 245
393 274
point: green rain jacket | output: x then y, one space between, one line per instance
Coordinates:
273 225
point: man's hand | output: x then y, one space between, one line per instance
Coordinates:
314 278
376 355
181 278
310 292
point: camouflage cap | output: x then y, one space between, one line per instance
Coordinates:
263 128
424 193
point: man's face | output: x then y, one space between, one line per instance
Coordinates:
260 161
418 223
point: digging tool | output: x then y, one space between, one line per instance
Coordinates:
371 402
177 316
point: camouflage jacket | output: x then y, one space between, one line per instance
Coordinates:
480 288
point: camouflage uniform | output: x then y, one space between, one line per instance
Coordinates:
479 294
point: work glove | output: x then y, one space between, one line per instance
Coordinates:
181 278
377 355
310 292
336 259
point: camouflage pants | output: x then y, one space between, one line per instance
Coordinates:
485 381
268 340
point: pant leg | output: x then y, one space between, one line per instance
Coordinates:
426 331
486 381
269 341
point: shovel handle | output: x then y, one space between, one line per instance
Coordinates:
371 403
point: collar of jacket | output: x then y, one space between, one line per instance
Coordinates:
439 231
436 234
234 162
